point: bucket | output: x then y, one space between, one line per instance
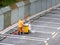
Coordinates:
26 28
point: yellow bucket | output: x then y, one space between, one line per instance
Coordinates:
26 28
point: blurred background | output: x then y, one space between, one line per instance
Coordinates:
12 10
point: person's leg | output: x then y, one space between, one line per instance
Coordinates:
18 33
18 30
21 31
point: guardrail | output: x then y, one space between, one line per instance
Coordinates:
9 16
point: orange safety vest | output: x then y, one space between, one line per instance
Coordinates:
20 25
20 29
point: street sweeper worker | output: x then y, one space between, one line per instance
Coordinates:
20 26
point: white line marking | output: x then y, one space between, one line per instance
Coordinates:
50 18
47 22
46 44
33 31
54 35
29 38
58 28
6 44
48 38
44 26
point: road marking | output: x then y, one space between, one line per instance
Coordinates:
44 26
29 38
50 18
54 35
46 44
47 22
58 28
48 39
34 31
5 44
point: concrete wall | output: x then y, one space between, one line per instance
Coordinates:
9 16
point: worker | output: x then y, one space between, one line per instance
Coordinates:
20 26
